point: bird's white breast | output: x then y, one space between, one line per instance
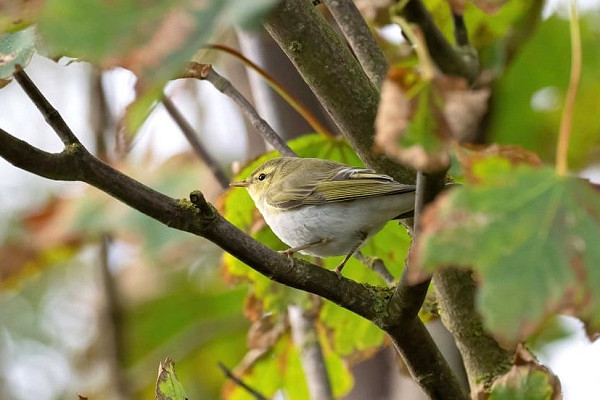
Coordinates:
344 224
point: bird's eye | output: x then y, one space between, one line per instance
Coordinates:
262 177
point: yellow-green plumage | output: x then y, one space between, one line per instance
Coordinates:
324 208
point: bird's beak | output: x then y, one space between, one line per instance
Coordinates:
244 183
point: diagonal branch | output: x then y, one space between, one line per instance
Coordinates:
206 72
49 113
253 392
335 77
193 140
200 218
359 38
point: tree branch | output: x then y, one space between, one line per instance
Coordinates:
306 339
359 36
206 72
253 392
484 359
201 218
193 140
49 113
112 316
336 78
461 61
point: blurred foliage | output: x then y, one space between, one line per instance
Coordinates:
528 98
16 50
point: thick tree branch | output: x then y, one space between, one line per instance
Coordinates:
335 76
193 140
483 357
359 36
206 72
460 61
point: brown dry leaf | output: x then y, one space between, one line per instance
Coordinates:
265 332
15 257
410 124
464 110
469 154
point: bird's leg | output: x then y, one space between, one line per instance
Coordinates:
338 269
290 252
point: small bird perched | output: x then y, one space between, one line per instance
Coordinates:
324 208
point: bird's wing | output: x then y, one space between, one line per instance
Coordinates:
345 185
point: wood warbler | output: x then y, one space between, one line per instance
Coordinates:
324 208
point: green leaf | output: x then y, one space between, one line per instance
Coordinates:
530 236
16 49
281 369
526 380
249 14
525 384
168 386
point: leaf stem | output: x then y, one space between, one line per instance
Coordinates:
566 123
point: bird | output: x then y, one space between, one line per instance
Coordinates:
325 208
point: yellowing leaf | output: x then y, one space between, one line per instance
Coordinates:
469 155
532 239
526 380
168 386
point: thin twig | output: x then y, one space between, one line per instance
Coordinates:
460 30
377 265
192 138
253 392
279 88
566 122
99 115
408 299
306 339
450 60
359 36
206 72
113 315
49 113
